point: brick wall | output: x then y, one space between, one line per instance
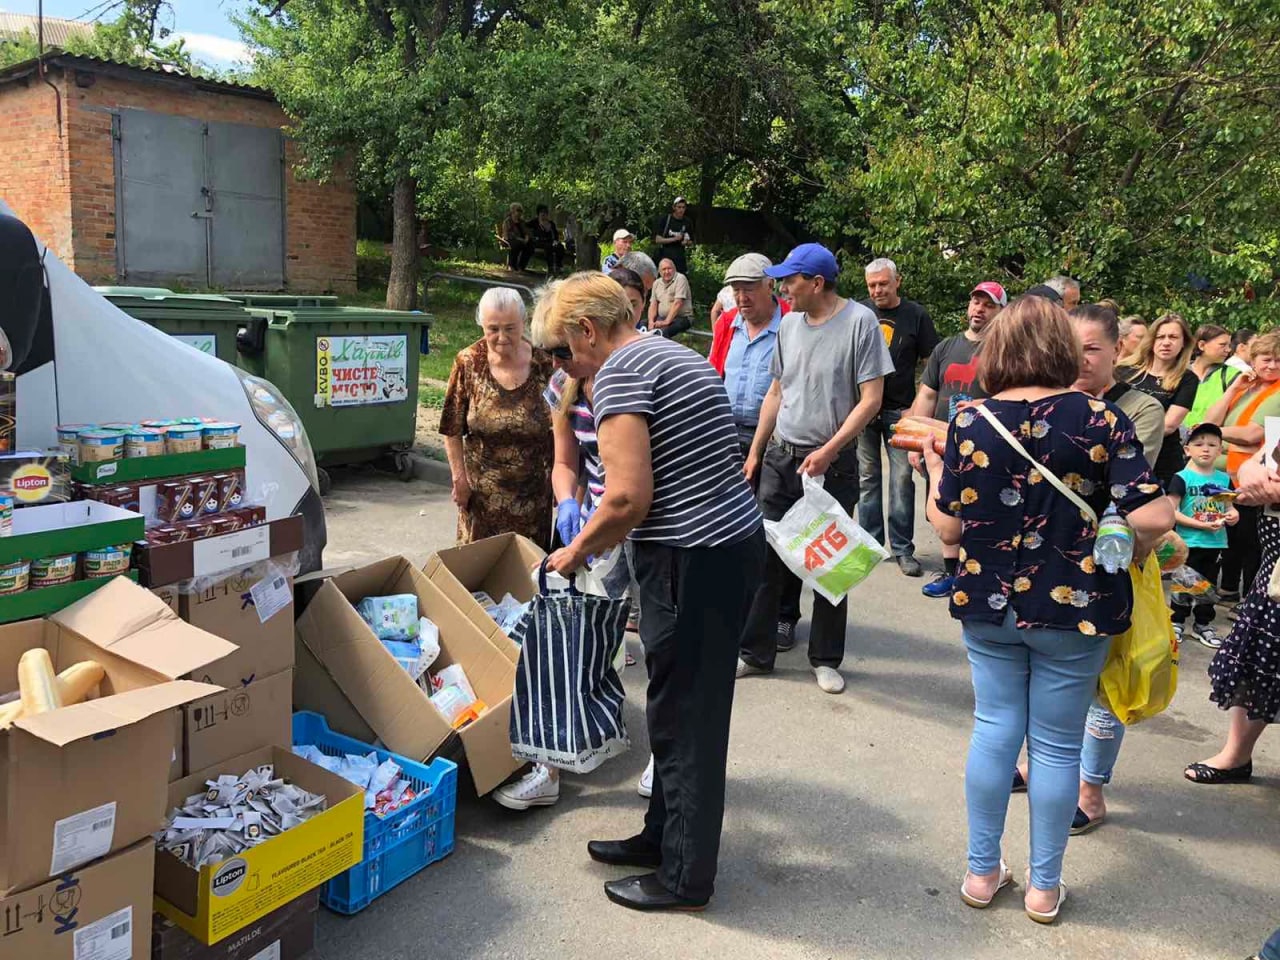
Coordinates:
33 162
320 218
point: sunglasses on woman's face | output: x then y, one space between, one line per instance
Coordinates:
561 353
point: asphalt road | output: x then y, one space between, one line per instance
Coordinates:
844 833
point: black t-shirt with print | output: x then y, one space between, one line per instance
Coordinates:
668 225
1171 458
910 335
952 371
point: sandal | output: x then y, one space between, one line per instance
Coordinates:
1006 877
1051 915
1081 823
1203 773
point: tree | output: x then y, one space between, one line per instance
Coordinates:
140 35
1129 144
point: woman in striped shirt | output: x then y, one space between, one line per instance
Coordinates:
676 489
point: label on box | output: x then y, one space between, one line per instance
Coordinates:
83 837
271 953
231 550
271 595
106 470
111 938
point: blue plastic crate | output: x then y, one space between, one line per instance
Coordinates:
396 846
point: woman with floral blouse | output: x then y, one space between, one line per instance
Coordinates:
1035 611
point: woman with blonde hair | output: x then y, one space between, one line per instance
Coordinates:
1023 476
676 489
1159 368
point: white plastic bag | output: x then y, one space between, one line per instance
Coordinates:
823 545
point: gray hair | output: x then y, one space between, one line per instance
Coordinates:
1062 284
1126 323
500 300
880 265
641 263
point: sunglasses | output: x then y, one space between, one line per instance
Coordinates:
561 353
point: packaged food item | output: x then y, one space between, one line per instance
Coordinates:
456 707
107 561
169 533
244 517
118 425
69 439
144 442
230 490
158 423
51 571
191 421
234 814
8 410
15 577
183 438
35 477
175 501
6 515
391 618
205 495
100 445
221 435
453 676
37 683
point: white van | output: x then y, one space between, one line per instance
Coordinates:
79 359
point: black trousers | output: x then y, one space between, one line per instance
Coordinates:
518 253
554 253
694 603
1243 555
780 487
789 599
1204 561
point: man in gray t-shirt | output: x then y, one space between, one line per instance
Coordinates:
828 380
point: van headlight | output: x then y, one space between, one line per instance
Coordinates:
276 414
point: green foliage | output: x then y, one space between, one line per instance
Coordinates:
138 36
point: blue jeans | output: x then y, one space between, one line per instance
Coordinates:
1033 686
902 491
1103 734
1271 949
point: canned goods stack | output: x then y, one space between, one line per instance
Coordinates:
103 443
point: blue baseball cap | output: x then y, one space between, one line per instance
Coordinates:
811 259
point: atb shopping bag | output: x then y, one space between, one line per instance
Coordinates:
567 708
823 545
1141 673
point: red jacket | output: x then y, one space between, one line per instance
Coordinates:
722 335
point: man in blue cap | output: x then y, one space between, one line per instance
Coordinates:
828 372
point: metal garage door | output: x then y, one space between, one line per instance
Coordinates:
198 204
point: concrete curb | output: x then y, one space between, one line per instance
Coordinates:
433 471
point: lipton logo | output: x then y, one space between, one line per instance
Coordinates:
229 877
31 483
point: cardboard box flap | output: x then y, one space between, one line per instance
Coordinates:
487 742
93 717
134 623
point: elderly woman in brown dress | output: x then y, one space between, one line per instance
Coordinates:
497 427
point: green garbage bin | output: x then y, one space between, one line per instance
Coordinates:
283 300
207 322
351 373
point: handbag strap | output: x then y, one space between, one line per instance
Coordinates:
1048 474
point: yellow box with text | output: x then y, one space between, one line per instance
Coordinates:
217 900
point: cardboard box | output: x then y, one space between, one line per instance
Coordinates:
133 469
314 689
34 477
163 563
46 600
392 705
102 910
177 763
287 933
58 528
169 595
87 780
228 610
237 720
215 901
498 566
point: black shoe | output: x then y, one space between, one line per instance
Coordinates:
910 566
1019 782
632 852
1229 596
786 636
646 892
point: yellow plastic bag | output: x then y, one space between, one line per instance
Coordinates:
1141 672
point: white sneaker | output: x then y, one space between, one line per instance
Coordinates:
645 786
829 680
537 788
748 670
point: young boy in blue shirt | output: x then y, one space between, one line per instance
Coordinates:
1201 496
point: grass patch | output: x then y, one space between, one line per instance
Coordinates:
431 396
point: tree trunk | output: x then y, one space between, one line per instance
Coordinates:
402 287
588 253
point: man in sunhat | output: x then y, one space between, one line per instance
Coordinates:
828 371
622 241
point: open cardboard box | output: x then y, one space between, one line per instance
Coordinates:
221 898
498 566
89 779
394 707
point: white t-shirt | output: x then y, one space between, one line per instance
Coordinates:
725 296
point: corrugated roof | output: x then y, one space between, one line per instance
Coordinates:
56 30
65 60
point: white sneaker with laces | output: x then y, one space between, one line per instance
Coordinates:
645 786
829 680
1209 637
537 788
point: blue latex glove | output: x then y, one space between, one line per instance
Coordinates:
568 520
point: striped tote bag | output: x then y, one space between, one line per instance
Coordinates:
567 708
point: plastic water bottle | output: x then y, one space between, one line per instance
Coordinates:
1113 548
